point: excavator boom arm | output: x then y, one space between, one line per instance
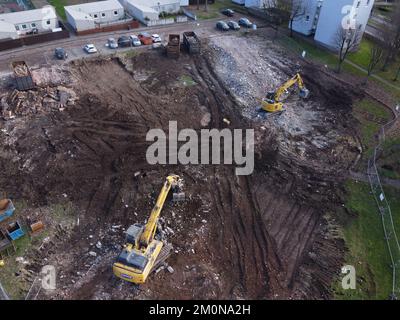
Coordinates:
291 82
151 225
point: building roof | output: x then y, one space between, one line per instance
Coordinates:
94 7
141 7
28 15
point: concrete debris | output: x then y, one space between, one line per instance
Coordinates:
92 253
41 100
170 269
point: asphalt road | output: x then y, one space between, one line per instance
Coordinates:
43 54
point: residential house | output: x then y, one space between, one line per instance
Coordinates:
147 11
88 16
16 24
323 18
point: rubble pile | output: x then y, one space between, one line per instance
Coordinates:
25 103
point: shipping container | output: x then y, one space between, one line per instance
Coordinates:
191 42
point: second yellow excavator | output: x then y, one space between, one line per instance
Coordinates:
142 250
273 100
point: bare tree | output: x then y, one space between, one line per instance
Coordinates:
297 9
391 37
397 74
345 41
376 56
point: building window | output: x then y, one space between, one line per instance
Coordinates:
24 26
115 13
358 4
17 28
33 25
48 22
95 16
307 18
103 14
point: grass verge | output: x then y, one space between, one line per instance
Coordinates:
367 249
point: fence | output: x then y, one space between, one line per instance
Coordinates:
151 23
385 211
110 27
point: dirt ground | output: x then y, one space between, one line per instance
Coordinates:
262 236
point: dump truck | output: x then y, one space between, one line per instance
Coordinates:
191 42
23 76
6 209
173 46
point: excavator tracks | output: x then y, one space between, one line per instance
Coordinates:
164 254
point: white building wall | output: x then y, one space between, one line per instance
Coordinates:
334 12
307 23
140 13
104 16
80 24
41 25
259 3
7 31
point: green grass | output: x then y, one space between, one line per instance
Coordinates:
367 249
312 52
369 128
187 81
59 6
363 54
214 9
391 158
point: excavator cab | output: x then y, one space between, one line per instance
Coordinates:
273 100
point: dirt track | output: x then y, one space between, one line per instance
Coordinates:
260 236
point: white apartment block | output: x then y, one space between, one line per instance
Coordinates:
323 18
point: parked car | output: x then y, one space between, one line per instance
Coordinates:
124 41
135 40
60 53
90 48
233 25
145 38
156 38
221 25
245 22
112 43
228 12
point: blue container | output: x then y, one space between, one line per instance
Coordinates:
8 212
14 231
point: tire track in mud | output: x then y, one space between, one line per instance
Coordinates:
251 250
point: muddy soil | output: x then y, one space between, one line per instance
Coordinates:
259 236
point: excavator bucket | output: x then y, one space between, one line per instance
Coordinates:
304 93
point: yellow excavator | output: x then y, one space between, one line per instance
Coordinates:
139 255
273 100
